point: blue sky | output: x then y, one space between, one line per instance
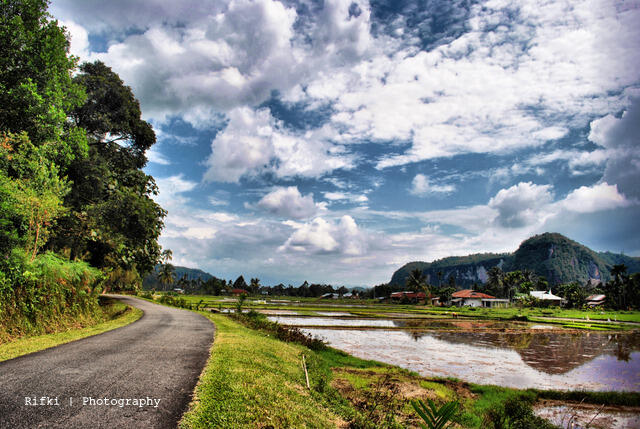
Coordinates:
333 141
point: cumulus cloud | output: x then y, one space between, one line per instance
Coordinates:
621 138
422 186
322 236
254 142
588 199
524 204
288 202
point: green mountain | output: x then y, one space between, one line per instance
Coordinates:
552 255
151 281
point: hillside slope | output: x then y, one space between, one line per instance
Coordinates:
551 255
151 281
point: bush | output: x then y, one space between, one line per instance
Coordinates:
515 413
40 295
259 321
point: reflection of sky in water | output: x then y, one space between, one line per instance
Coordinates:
488 364
327 321
332 313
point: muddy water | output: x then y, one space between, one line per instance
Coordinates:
577 417
544 360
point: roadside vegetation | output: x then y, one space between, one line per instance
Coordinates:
76 210
112 314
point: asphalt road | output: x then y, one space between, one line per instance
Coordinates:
138 376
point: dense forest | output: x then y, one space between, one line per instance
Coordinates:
76 210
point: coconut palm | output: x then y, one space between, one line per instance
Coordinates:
166 275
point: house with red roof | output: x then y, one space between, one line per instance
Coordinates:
238 292
472 298
409 295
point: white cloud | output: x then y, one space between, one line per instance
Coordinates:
422 186
254 143
154 155
588 199
288 202
621 139
171 188
79 43
346 196
522 205
322 236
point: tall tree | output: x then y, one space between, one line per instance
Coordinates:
417 281
113 221
166 275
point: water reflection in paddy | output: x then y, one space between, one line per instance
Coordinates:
545 360
330 321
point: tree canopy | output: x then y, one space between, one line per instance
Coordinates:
72 145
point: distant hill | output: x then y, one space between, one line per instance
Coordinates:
552 255
151 281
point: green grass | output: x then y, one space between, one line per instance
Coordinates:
253 380
114 315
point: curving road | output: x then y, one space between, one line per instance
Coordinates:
138 376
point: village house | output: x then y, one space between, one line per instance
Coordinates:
408 295
472 298
595 300
546 296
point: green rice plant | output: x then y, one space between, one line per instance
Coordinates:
434 417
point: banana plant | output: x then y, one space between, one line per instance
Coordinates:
434 417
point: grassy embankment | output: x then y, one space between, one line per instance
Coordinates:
255 380
112 314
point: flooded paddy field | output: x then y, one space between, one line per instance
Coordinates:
506 353
511 354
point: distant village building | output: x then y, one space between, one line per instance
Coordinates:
408 295
330 296
595 300
472 298
237 292
544 295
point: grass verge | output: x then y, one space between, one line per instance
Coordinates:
254 380
114 315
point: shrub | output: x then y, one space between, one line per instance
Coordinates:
39 295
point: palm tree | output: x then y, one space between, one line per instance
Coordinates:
418 281
494 282
166 275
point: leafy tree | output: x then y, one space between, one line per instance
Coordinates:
574 293
445 294
113 220
111 115
37 92
32 194
240 283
